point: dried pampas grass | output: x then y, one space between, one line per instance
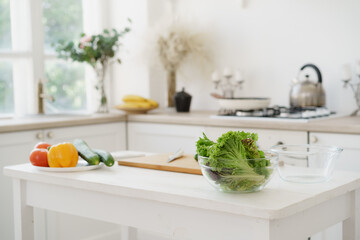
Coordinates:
176 42
176 45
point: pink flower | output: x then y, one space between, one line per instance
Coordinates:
84 40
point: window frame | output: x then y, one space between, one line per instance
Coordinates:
28 56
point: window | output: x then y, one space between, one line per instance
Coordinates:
62 20
6 83
66 84
5 34
6 88
28 31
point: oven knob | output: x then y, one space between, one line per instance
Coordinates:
313 139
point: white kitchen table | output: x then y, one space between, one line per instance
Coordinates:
185 206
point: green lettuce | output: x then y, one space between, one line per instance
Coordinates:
235 160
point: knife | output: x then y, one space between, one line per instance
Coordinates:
179 153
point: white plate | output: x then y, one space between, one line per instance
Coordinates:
81 166
126 154
244 103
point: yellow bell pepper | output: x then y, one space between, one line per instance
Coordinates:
63 155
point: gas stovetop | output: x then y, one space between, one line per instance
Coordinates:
279 112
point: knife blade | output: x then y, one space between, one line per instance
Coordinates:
179 153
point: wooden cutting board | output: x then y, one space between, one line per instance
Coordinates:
185 164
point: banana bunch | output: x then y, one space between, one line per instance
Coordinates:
135 101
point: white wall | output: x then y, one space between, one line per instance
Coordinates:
268 40
132 75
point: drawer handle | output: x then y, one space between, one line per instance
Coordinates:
280 143
313 139
39 136
50 135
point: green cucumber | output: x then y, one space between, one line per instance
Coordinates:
86 152
105 157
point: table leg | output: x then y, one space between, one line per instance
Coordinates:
40 224
351 226
128 233
23 214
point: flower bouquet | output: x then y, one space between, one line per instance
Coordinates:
98 51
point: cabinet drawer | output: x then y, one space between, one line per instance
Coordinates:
109 136
162 138
349 141
267 138
18 138
350 158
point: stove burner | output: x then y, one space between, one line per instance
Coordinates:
279 112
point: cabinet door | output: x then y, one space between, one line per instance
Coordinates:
109 136
350 158
267 138
162 138
14 148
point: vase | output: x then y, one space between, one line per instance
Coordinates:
100 70
171 85
182 101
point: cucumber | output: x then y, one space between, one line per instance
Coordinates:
105 157
86 152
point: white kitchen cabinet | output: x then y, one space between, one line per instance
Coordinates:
162 138
349 159
15 148
267 138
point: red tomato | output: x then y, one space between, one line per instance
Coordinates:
42 145
38 157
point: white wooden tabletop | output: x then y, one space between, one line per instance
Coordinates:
277 200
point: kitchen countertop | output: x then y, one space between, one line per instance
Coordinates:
160 186
53 121
335 124
140 194
347 124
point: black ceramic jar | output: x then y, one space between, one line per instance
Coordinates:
182 101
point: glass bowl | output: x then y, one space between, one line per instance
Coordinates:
241 179
306 163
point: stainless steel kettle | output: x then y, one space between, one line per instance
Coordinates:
308 93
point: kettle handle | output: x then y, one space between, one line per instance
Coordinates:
316 70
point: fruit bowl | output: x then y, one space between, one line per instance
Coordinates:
135 110
252 177
306 163
134 104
